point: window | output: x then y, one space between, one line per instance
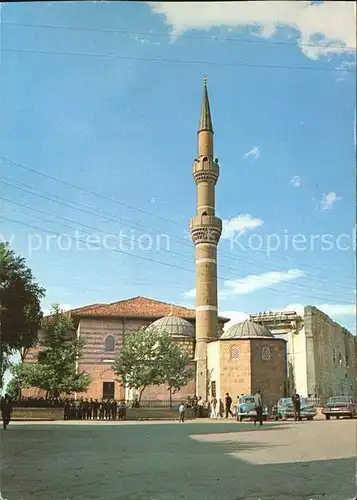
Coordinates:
266 352
234 354
213 389
340 359
333 356
109 343
347 363
108 390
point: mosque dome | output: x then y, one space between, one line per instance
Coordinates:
175 326
246 329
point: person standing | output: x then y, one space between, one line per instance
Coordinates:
228 404
214 407
296 404
200 405
181 412
95 409
6 411
101 409
114 409
258 408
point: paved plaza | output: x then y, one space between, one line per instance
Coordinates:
171 461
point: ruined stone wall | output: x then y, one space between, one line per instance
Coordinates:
331 357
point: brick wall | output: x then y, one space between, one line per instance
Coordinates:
100 373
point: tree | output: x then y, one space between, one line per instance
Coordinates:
13 389
56 371
173 364
152 357
20 308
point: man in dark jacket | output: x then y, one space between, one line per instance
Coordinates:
296 404
6 411
228 404
114 408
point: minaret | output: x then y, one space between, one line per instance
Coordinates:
205 230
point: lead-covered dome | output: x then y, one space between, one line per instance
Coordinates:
247 329
175 326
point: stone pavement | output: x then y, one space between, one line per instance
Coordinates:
170 461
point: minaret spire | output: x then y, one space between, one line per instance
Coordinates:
205 118
205 230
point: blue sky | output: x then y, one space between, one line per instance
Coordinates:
112 106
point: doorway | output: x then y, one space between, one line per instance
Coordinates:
108 390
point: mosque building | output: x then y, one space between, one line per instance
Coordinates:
239 360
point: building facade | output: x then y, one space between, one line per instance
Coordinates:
248 357
103 327
321 353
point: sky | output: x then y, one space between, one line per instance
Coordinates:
100 108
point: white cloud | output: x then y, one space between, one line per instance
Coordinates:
296 181
190 294
235 317
254 153
328 199
239 224
323 29
252 283
255 282
333 310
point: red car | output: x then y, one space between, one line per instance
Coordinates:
340 406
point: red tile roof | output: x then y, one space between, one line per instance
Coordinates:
136 307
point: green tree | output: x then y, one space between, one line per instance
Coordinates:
13 389
56 371
152 357
20 308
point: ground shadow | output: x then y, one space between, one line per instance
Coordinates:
158 462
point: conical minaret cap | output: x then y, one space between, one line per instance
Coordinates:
205 119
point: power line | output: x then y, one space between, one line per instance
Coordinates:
96 229
175 61
157 261
25 167
180 35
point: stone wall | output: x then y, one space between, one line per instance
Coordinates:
269 370
235 368
331 356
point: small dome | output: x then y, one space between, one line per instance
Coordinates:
175 326
247 329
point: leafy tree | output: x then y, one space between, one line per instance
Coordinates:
152 357
20 309
13 388
56 370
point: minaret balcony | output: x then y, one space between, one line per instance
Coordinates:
205 170
205 229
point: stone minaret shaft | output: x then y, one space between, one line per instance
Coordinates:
205 230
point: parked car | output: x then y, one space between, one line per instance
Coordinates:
340 406
246 409
285 409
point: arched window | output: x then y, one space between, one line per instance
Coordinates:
204 213
333 356
234 354
266 352
340 359
109 343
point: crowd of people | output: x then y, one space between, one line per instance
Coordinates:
92 409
